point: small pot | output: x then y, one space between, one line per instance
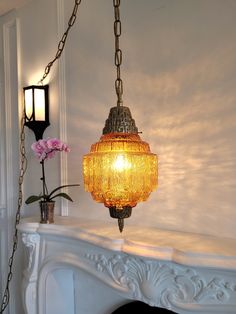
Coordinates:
47 212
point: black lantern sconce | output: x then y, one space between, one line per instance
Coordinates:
36 108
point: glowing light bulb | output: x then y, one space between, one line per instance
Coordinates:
121 163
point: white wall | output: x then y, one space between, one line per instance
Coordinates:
179 81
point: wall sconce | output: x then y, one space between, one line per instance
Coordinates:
36 108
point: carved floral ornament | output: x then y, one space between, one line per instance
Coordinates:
162 284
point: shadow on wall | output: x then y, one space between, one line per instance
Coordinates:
180 81
191 125
140 307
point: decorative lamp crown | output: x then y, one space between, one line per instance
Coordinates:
120 120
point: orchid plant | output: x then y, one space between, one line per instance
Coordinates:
45 149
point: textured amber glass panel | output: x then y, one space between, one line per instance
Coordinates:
120 170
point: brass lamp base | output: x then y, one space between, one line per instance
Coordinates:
120 214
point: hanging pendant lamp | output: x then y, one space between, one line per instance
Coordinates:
120 170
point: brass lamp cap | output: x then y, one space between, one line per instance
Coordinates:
120 120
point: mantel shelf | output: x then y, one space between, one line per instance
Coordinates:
185 272
179 247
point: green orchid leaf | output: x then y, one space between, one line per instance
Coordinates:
63 195
60 187
33 198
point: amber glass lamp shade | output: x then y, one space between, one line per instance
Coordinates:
120 171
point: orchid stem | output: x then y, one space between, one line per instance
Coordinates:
45 189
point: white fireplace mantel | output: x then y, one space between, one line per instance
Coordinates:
87 267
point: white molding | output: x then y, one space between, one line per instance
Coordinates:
31 246
83 248
10 34
19 72
187 249
8 114
2 151
3 262
163 284
2 212
62 105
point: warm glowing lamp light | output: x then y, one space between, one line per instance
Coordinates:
36 106
120 170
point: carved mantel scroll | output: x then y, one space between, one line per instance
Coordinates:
164 285
135 268
31 243
30 274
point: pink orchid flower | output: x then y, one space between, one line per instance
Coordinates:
45 149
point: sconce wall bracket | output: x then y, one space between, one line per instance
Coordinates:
38 127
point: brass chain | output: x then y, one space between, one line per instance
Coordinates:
118 52
23 160
23 167
62 42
